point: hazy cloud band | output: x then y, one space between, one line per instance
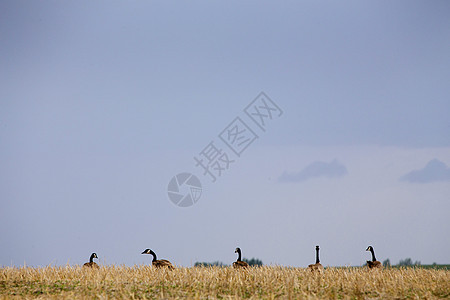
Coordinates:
316 169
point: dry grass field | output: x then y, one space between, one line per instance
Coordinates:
146 282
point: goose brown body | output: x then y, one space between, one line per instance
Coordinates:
239 263
91 263
159 263
317 266
374 263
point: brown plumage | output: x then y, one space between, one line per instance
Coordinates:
374 263
317 266
239 263
159 263
91 263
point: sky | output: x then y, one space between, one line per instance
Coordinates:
103 103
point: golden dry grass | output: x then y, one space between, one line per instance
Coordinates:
216 283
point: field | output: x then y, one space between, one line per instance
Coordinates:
122 282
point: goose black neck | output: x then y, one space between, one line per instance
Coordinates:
317 255
239 254
373 254
91 259
154 255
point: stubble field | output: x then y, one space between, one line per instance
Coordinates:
146 282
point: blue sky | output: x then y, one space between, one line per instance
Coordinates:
101 104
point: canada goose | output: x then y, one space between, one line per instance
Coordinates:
317 266
374 263
159 263
239 263
91 263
